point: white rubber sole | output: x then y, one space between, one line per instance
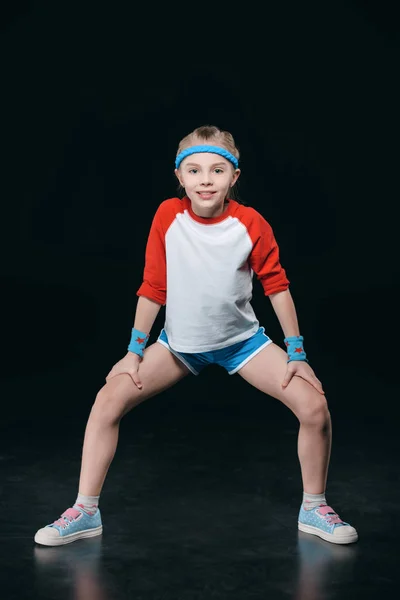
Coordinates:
345 539
49 540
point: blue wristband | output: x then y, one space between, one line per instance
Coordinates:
138 342
295 349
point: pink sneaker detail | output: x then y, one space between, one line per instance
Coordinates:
71 514
331 517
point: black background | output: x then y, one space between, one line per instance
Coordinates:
95 99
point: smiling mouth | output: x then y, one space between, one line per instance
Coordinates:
206 194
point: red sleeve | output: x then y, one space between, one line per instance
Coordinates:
154 284
264 257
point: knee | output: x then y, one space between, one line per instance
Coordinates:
314 412
106 409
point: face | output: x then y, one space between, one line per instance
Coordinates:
207 179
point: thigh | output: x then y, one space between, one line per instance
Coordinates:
158 370
266 372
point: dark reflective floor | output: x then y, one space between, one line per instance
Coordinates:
202 498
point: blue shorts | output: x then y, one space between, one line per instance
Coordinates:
232 358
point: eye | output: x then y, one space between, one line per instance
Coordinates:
192 170
219 170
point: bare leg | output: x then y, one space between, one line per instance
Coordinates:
265 372
159 370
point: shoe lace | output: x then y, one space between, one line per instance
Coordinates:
67 517
330 516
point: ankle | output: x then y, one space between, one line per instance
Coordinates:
311 501
87 503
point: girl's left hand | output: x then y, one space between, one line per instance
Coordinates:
302 369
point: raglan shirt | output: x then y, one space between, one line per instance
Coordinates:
202 270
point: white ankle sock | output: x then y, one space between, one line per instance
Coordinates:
88 503
313 500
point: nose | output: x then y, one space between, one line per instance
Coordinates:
206 178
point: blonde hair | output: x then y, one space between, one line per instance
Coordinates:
210 133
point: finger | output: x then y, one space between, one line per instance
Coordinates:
287 379
136 379
110 375
317 384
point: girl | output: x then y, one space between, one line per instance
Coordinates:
201 254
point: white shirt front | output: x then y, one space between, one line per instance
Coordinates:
202 270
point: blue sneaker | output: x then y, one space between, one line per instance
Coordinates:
324 522
73 525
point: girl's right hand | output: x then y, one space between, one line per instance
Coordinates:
130 365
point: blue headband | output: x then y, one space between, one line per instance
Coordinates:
212 149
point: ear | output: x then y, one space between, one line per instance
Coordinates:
177 174
235 177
